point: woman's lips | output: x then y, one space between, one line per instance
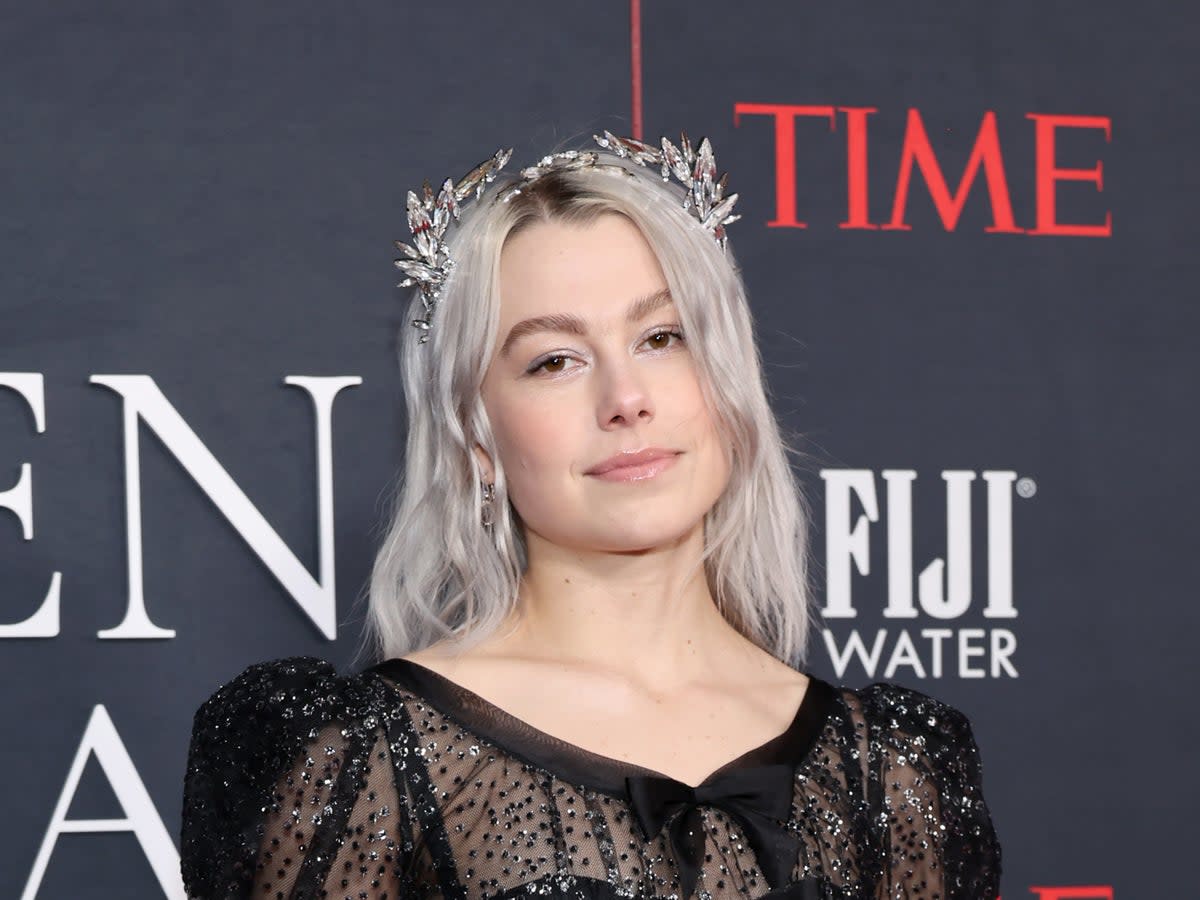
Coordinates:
638 471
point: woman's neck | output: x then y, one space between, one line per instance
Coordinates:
648 614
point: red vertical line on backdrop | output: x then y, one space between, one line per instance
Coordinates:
635 63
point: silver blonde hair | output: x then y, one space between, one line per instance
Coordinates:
439 573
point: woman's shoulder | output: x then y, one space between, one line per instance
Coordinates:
262 677
277 696
927 772
272 719
916 739
888 707
253 721
906 727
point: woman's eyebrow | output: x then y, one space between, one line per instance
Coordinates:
571 324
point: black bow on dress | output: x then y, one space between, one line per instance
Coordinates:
760 798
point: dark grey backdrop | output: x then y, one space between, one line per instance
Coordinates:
206 194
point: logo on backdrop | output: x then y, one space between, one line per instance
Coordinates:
927 640
917 153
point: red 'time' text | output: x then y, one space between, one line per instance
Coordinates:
917 153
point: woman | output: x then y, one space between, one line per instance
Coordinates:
592 604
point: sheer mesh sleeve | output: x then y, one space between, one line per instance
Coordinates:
290 791
937 837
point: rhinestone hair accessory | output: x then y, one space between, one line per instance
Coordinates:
427 261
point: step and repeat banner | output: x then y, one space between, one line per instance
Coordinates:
968 239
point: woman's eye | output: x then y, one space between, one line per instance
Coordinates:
553 364
665 333
548 364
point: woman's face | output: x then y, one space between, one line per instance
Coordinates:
562 400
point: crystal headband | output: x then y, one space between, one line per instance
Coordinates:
428 262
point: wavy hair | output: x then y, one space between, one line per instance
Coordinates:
438 572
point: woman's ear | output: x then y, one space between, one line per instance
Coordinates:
485 465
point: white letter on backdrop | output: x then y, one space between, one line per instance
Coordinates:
1000 544
844 544
900 551
954 600
141 817
18 499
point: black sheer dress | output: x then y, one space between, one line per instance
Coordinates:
398 783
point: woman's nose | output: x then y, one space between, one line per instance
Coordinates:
624 397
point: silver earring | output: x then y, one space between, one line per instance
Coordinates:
489 495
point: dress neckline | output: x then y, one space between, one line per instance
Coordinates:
585 768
